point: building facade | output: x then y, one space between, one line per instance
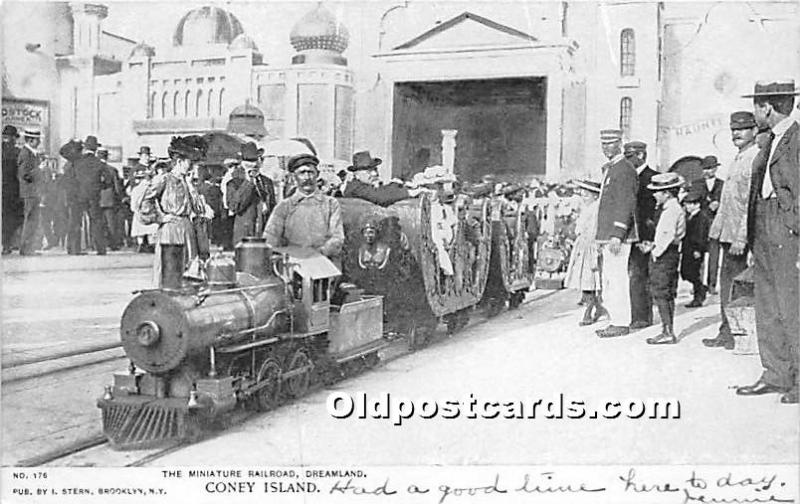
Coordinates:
521 89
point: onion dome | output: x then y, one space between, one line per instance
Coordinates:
207 25
247 120
142 50
319 34
243 41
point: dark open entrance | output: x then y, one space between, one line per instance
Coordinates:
501 126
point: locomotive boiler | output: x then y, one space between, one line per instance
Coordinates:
260 330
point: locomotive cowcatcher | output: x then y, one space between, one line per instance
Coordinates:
260 329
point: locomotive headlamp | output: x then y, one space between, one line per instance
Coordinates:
148 333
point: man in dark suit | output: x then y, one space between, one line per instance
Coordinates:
710 205
775 230
253 199
639 262
616 230
88 171
13 209
29 174
365 183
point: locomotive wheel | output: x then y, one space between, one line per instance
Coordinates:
268 397
297 385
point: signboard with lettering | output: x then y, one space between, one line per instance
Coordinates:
28 114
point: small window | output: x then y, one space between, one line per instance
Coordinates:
320 290
627 53
625 114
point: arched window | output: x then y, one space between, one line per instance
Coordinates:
221 101
164 104
187 99
152 105
625 115
176 106
197 102
627 53
210 104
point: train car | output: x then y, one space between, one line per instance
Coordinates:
512 265
260 330
424 278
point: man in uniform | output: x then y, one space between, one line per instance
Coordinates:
88 170
29 174
12 204
710 206
729 226
365 183
775 226
616 230
307 218
639 262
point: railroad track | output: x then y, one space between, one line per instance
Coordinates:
99 441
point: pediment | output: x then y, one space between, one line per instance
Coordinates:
467 30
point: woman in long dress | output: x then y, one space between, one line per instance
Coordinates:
583 272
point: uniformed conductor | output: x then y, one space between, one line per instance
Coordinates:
616 230
774 229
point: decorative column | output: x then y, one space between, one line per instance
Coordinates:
449 150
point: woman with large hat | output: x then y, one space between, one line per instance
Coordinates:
172 200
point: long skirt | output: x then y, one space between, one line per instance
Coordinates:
584 265
664 274
178 231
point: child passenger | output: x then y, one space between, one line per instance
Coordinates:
583 272
670 230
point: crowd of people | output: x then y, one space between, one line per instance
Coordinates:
631 235
640 230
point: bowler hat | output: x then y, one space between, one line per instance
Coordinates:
91 143
299 160
693 197
709 162
635 146
664 181
589 185
31 133
144 149
610 135
742 120
9 130
250 152
775 88
364 161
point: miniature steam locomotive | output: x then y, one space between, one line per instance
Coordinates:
261 328
267 325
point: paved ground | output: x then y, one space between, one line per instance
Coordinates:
536 352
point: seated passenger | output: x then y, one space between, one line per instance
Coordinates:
365 184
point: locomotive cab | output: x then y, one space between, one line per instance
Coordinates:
312 280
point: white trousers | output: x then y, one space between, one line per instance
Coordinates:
616 289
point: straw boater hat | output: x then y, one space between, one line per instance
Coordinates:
610 135
665 181
783 87
31 133
588 185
